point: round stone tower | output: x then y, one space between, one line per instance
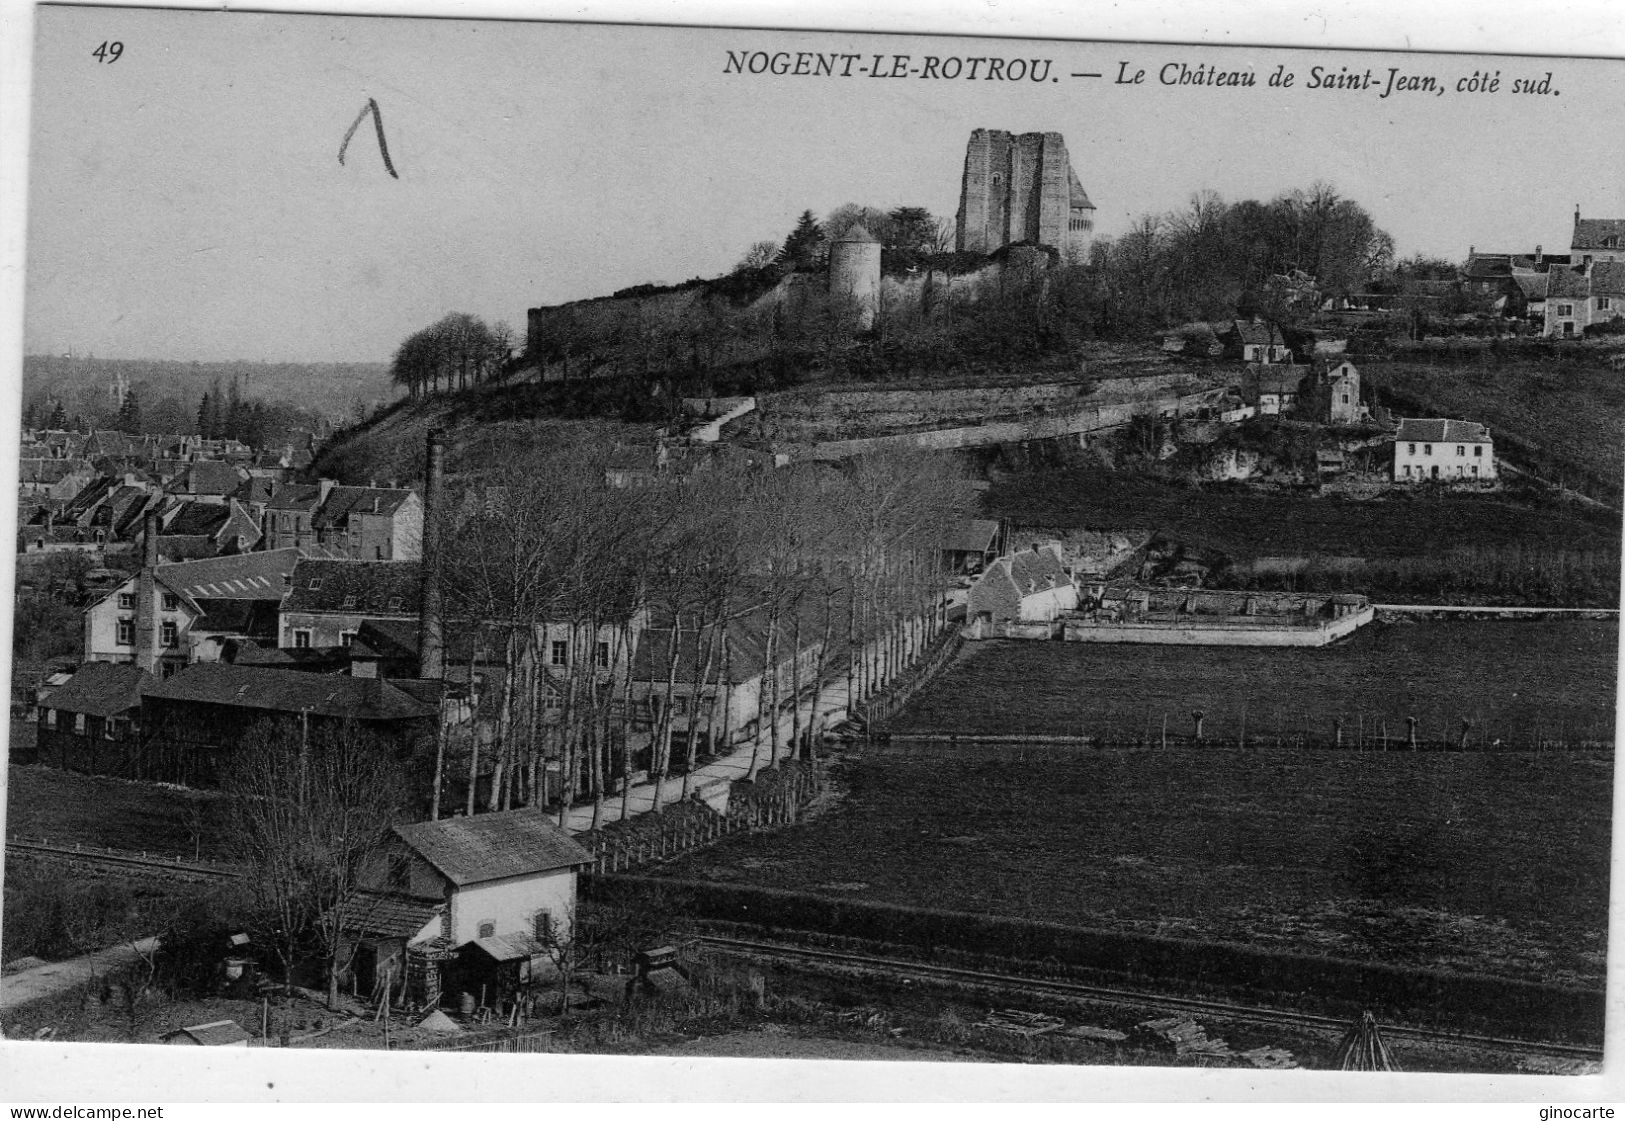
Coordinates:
854 275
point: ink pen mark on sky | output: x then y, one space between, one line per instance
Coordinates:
378 120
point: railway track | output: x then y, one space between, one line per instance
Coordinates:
903 967
149 863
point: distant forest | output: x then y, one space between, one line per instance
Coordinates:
260 403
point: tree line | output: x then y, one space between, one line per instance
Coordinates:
455 352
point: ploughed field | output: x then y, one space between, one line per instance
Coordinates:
1518 682
1481 863
1490 862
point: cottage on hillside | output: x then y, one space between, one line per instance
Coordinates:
1444 450
1031 586
1579 298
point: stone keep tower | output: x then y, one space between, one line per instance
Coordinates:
1021 188
854 275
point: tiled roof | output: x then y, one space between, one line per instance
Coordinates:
510 947
174 548
290 691
295 496
355 587
211 476
472 850
970 535
1566 282
1532 284
1035 570
237 616
1257 334
1592 233
1442 432
389 914
1079 197
344 501
242 576
1608 278
103 689
205 518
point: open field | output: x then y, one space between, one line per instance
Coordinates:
44 802
1516 681
1565 418
1244 522
1495 864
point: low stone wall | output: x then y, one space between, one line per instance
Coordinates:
1249 630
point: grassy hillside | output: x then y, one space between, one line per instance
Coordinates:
1565 419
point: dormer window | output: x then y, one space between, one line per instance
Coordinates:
394 603
315 583
349 602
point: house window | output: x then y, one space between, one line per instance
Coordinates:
79 723
50 718
1565 309
126 632
543 926
488 930
1345 398
560 654
377 552
1427 449
172 602
1478 451
171 634
1460 450
126 600
552 702
679 706
301 640
346 637
1413 449
1604 303
1475 470
603 655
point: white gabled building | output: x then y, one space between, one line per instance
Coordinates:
1453 450
1030 586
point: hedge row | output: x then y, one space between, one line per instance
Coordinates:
1458 1001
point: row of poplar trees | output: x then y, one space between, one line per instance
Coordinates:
834 576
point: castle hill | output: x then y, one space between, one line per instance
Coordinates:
1028 591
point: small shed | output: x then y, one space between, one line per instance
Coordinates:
220 1033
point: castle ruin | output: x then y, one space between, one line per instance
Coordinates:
1022 188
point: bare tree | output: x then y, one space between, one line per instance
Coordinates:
308 808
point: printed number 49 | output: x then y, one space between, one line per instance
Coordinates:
108 52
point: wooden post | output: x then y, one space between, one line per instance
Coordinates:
1410 732
1337 732
1196 719
1466 726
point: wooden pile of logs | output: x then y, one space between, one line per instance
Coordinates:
1017 1022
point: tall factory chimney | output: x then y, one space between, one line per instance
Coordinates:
146 596
431 646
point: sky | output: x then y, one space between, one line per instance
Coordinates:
187 201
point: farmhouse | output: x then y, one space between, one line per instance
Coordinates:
1577 299
1030 586
1443 450
1254 341
468 904
1597 239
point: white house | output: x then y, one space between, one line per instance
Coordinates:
1443 449
197 599
1031 586
469 903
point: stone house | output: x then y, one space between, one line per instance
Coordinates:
328 600
1030 586
290 514
1455 450
1597 239
1255 341
371 523
1578 298
1343 405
